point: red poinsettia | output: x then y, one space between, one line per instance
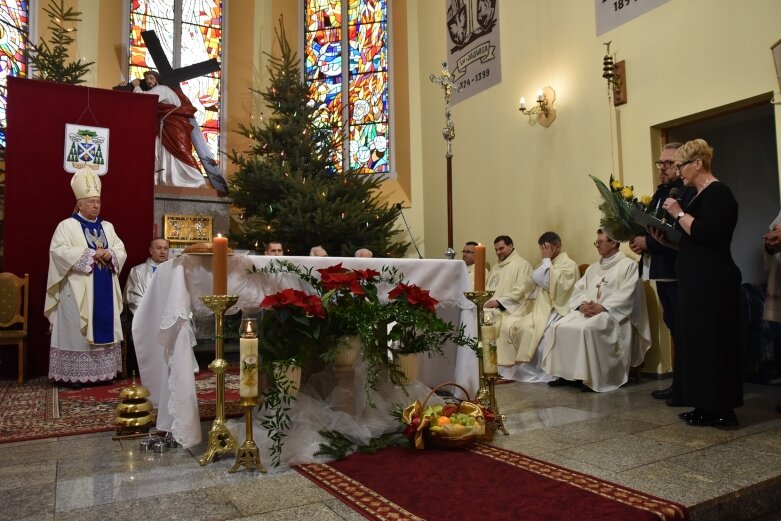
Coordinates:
311 305
414 295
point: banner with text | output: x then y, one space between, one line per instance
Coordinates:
612 13
473 46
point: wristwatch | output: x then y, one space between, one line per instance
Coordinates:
678 217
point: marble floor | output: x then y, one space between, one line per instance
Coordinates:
624 436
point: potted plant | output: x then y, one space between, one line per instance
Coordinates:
414 328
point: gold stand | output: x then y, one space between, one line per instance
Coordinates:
247 455
221 441
486 395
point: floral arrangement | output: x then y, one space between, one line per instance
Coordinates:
414 324
301 327
618 204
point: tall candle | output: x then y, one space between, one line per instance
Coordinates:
220 265
480 267
249 359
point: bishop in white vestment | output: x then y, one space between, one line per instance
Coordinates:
549 289
83 297
607 329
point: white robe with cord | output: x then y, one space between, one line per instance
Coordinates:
600 350
549 288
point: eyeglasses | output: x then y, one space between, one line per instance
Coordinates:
680 166
601 243
464 252
662 165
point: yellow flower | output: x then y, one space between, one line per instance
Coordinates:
645 200
616 185
626 193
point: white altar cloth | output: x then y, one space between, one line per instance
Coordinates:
164 340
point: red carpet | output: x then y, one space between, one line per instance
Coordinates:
482 482
39 409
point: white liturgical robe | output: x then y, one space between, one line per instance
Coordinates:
600 350
506 280
773 267
137 282
549 289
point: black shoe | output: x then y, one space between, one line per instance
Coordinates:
713 419
663 394
559 382
675 402
686 415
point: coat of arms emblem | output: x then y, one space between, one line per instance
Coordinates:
86 147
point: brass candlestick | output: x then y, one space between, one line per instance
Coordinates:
486 395
247 455
221 440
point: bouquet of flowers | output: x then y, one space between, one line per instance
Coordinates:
292 326
414 325
618 204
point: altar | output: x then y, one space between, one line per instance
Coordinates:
164 339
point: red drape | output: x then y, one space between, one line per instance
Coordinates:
38 193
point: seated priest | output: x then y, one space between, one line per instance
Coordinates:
507 276
549 288
606 331
135 287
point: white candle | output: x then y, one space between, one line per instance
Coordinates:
488 334
249 360
248 353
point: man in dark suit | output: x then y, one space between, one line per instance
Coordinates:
657 262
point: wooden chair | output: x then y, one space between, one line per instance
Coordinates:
13 312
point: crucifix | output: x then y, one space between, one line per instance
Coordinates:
445 80
172 78
599 285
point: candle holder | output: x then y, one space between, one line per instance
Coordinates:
247 455
486 395
221 440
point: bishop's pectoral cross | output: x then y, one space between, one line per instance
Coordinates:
172 78
599 286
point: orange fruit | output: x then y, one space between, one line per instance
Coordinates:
443 420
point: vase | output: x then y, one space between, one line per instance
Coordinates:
293 375
408 365
347 351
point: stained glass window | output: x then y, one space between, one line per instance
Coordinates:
346 65
190 31
14 29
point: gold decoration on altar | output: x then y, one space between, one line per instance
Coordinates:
187 229
134 411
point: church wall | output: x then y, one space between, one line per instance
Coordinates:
511 178
516 179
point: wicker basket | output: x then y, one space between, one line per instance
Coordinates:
447 442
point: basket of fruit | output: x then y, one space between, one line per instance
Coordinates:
444 426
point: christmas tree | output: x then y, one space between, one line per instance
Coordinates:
288 183
49 63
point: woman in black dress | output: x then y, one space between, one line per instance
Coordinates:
708 292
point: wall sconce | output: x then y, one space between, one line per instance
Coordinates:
543 113
615 74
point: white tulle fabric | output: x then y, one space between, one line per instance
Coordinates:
164 344
330 403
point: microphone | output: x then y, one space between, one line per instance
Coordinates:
674 193
397 206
